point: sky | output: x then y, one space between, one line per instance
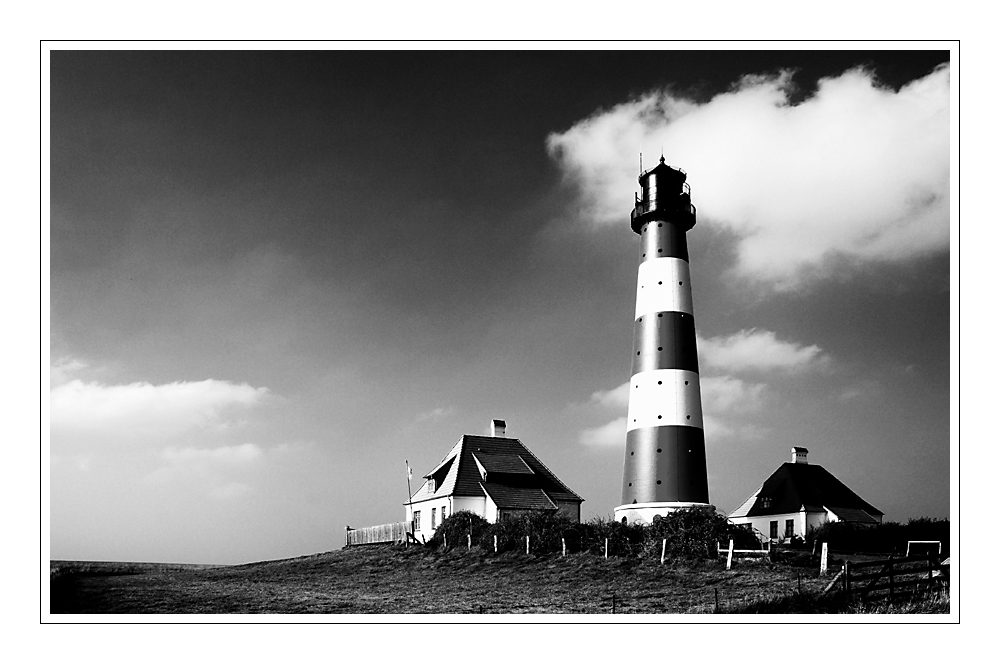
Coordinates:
275 277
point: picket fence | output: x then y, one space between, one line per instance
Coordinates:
383 534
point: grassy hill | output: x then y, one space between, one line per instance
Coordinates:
398 580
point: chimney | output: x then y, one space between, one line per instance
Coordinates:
498 428
799 455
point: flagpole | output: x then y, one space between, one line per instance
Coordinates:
409 493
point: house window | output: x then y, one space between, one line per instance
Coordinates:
765 502
430 485
444 514
416 520
433 518
789 527
774 530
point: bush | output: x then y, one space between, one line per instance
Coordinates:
457 527
546 530
691 534
695 533
622 539
888 537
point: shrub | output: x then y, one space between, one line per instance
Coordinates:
888 537
622 539
546 530
456 529
690 533
695 533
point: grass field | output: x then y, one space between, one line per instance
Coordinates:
397 580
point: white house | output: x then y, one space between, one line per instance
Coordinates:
492 476
799 496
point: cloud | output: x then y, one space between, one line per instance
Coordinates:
232 454
758 350
727 400
62 370
229 491
89 410
435 414
720 394
611 434
856 169
616 398
728 429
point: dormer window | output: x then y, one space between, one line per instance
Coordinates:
431 485
765 502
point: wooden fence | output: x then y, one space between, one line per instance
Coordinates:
898 576
386 533
731 552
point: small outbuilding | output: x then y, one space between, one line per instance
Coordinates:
493 476
798 497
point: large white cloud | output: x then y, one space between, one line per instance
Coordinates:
758 350
611 434
143 411
726 394
856 170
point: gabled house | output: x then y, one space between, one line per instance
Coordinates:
799 496
493 476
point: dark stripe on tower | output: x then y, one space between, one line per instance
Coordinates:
676 457
664 340
662 239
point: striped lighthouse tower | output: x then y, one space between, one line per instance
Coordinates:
665 443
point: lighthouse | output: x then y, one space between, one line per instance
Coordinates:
665 467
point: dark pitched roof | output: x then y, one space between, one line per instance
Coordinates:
517 498
796 485
507 462
853 515
502 463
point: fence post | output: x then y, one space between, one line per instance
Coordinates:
663 551
469 542
847 579
445 536
527 544
605 548
823 559
729 558
494 544
564 547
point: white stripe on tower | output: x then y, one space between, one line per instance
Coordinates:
664 284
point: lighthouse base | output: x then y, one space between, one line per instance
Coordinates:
644 512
